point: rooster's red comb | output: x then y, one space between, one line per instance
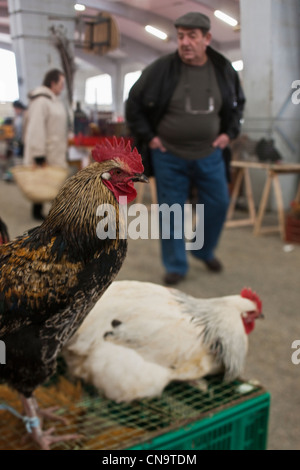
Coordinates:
119 150
248 293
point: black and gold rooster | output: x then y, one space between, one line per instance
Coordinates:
51 277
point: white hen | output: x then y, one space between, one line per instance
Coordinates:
141 336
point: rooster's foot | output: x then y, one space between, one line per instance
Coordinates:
43 438
48 413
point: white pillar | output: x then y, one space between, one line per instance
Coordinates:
118 88
270 49
30 23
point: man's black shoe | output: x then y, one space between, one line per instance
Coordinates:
173 278
213 265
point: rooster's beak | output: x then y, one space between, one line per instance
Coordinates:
140 178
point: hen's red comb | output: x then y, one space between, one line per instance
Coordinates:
118 150
248 293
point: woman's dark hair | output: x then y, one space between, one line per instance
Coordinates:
52 76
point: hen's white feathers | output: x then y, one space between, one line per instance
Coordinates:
141 336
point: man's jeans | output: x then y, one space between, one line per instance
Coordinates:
173 179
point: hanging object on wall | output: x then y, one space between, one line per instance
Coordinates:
65 50
101 34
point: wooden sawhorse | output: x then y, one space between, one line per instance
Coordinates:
273 171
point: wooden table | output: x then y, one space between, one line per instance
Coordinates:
273 170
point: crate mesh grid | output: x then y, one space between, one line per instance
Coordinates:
104 424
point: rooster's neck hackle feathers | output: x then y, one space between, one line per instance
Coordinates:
73 214
223 330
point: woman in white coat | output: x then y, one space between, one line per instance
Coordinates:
46 127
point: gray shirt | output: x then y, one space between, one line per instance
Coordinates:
192 122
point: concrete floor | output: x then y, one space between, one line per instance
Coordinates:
261 263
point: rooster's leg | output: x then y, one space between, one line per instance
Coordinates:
43 438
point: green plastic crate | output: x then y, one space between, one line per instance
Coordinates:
226 416
241 427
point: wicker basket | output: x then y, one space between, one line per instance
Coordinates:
39 184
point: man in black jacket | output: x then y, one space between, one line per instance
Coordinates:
184 109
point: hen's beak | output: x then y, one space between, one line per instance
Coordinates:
141 178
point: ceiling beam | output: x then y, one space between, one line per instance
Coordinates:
102 64
231 7
137 15
134 50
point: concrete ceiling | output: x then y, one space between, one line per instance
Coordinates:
131 17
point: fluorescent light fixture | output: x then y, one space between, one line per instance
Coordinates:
228 19
79 7
156 32
238 65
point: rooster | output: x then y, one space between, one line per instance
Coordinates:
51 277
141 336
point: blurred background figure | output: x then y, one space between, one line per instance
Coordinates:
81 122
19 128
46 134
187 107
15 141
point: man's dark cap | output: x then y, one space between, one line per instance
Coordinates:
193 20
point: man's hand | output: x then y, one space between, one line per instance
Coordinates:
221 141
156 143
